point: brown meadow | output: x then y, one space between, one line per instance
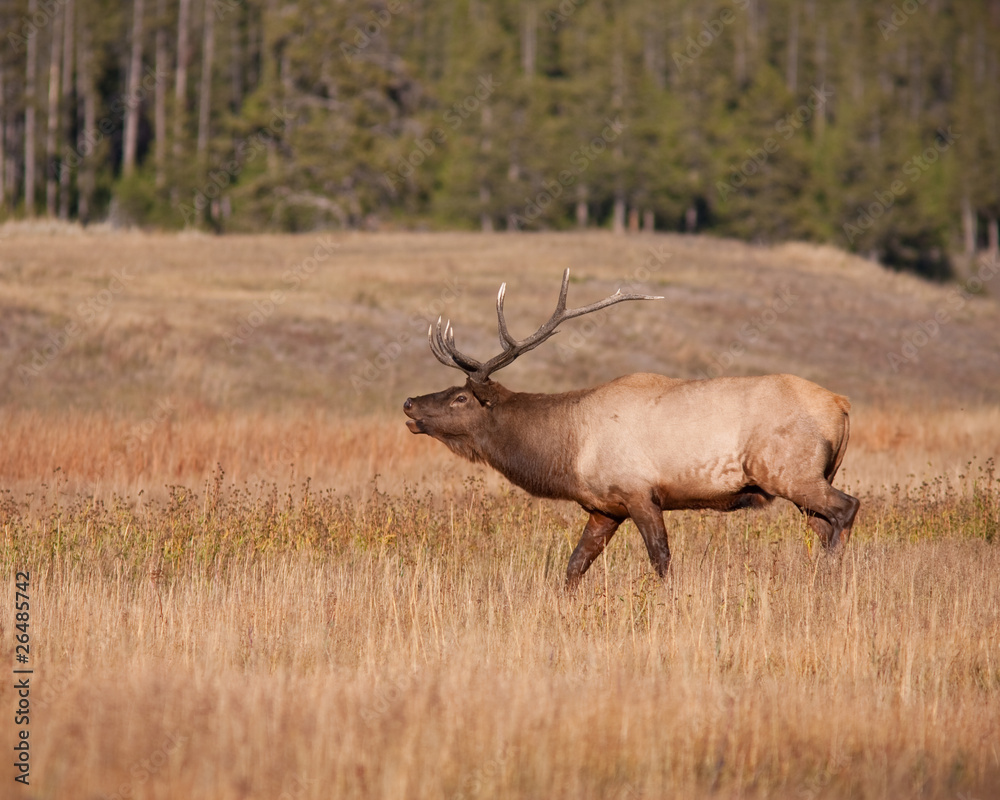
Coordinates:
248 580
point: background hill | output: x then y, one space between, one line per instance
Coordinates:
197 318
138 360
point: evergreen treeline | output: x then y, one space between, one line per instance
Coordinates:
875 126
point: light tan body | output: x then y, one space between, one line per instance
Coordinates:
702 442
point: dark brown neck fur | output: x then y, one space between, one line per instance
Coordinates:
532 440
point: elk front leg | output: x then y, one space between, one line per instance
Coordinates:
596 535
648 518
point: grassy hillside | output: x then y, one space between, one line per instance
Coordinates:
196 319
134 360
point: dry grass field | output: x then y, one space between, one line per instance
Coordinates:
248 580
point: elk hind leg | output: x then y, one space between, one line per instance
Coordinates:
596 535
830 511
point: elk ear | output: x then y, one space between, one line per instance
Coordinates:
486 393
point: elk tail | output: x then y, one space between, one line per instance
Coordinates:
845 406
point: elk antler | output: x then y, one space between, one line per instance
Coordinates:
442 340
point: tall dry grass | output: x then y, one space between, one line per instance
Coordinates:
232 643
104 453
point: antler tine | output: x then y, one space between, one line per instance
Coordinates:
437 345
617 297
506 340
563 291
442 344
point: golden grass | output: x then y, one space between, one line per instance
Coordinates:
232 645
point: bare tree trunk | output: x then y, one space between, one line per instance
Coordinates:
652 52
52 119
86 178
691 219
205 99
69 39
993 237
485 193
968 228
132 98
741 43
633 220
10 176
160 101
29 115
180 86
582 209
819 118
485 218
618 215
751 55
617 102
648 220
529 41
236 62
3 142
792 65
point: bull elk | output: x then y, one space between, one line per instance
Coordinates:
644 444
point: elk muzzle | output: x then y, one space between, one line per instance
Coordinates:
415 425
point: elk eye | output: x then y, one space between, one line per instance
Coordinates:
461 399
